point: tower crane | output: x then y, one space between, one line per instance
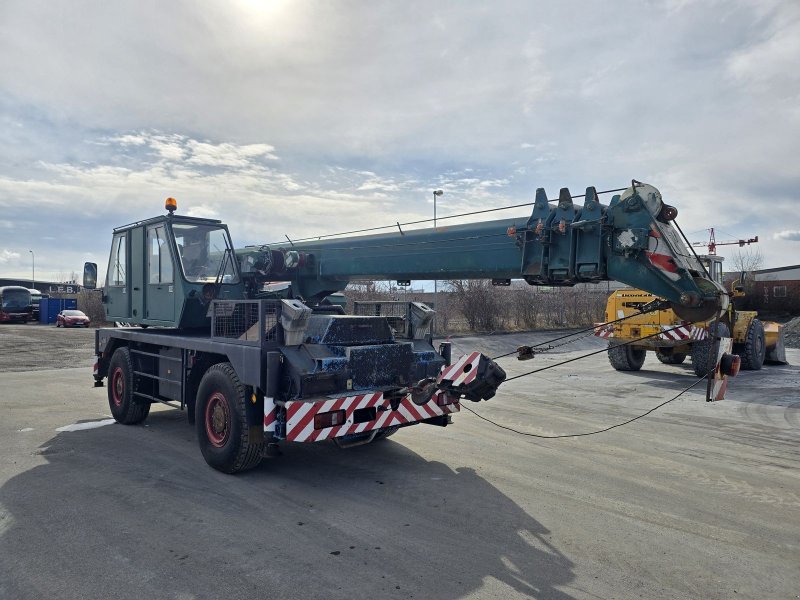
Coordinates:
712 243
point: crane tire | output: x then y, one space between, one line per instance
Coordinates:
626 358
221 421
673 358
121 401
701 351
754 349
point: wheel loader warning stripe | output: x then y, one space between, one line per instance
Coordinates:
602 331
300 415
670 332
685 332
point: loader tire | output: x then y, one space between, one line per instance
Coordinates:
701 351
221 422
754 349
121 401
672 358
626 358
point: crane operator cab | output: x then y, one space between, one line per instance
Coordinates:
164 271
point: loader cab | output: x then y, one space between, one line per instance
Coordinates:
714 265
166 270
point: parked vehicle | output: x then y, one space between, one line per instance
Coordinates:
673 338
72 318
15 304
254 367
36 296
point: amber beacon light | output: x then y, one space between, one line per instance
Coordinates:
171 205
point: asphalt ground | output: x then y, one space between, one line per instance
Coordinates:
695 500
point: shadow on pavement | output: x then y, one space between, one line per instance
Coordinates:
134 512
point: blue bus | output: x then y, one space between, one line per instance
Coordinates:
15 304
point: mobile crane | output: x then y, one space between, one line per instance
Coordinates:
254 365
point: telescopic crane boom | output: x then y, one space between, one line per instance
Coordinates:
631 240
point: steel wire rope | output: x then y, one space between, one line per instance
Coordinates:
564 362
574 333
585 433
689 245
394 225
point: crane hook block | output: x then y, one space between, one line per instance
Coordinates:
474 376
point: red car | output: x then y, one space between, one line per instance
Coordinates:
72 318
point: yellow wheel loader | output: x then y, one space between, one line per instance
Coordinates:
755 341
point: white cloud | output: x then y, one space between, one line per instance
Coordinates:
266 116
8 255
790 235
227 155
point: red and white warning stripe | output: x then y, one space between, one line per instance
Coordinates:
270 415
660 255
300 415
606 331
463 371
683 332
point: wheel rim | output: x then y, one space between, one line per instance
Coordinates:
118 386
218 420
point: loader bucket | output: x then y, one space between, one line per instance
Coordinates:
776 344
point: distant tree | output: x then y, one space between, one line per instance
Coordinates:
479 302
747 260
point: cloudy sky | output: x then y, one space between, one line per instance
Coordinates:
294 118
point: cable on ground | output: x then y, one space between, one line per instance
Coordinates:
552 437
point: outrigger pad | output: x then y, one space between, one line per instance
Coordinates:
474 376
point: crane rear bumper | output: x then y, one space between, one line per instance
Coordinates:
329 418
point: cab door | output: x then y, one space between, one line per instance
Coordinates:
117 292
160 295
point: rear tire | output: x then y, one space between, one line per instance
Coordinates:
120 390
755 347
221 422
701 351
672 358
626 358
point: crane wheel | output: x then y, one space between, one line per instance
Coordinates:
754 349
670 358
221 421
702 361
123 407
626 358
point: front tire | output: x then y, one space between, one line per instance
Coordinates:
221 422
626 358
701 351
120 390
755 347
670 358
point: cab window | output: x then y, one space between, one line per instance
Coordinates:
205 252
117 263
158 256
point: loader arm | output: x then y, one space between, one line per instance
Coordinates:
632 240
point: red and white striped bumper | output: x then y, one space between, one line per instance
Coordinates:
300 415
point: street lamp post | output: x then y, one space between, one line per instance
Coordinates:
33 268
436 194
